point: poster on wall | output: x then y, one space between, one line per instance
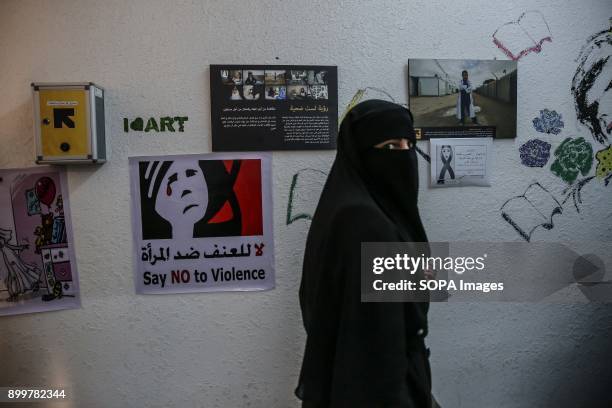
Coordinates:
463 98
202 223
273 107
459 162
37 264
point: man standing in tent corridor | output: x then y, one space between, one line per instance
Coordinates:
465 102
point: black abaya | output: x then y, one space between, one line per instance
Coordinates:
363 354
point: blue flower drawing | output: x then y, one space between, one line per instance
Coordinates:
535 153
548 122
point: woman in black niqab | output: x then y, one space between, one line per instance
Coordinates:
363 354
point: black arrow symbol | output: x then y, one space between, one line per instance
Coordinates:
62 116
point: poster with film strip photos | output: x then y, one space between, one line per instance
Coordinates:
273 107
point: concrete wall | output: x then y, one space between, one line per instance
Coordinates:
503 89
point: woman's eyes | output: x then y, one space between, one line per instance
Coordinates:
392 146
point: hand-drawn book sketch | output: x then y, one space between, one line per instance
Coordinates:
534 208
523 36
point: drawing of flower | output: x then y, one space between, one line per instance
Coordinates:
548 122
535 153
604 162
573 156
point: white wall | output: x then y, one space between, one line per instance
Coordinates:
244 349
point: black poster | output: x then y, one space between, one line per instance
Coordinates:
273 107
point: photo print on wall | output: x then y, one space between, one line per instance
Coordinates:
463 98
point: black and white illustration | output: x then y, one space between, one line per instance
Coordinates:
460 162
446 162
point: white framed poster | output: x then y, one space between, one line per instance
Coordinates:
460 162
202 222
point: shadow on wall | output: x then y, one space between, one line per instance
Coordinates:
17 136
584 387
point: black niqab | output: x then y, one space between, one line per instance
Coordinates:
361 354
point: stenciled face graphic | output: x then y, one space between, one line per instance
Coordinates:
446 152
183 195
601 93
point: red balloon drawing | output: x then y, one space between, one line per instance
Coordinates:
45 190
